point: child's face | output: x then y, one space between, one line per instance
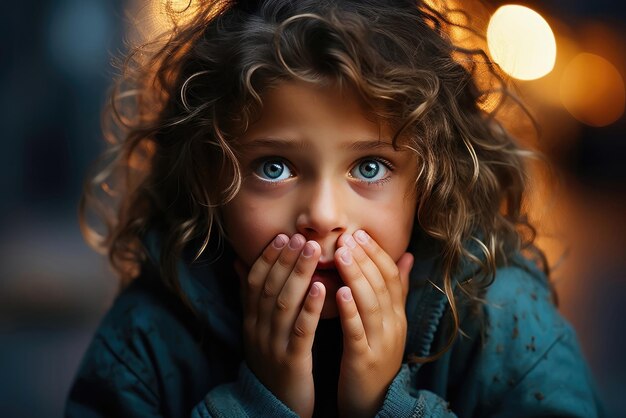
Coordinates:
314 164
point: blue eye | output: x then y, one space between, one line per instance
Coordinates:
370 170
273 170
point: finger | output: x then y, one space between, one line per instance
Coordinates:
371 273
405 264
364 296
354 336
303 330
289 301
258 272
276 278
386 265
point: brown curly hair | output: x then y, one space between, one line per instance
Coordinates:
182 100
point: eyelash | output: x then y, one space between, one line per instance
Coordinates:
380 182
257 164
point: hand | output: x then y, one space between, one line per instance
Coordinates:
280 319
373 319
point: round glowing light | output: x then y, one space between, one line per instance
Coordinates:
521 42
592 90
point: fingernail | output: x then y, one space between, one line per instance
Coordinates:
315 290
361 236
350 242
295 242
279 242
346 294
309 249
345 256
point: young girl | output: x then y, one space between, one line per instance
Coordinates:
313 216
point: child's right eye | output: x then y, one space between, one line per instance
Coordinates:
273 170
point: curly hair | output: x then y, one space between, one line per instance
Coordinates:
182 100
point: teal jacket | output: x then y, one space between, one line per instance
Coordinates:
517 357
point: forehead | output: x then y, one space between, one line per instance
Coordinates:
292 109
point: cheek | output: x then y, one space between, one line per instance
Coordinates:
392 227
251 225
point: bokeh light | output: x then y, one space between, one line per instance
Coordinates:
592 90
521 42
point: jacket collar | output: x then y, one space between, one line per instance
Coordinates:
206 292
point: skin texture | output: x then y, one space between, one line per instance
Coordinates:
320 227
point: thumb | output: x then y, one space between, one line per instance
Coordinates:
405 264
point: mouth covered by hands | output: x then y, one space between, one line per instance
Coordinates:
282 310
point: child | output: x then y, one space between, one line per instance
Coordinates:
317 218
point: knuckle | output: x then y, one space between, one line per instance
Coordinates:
309 307
267 257
380 289
359 255
253 284
358 276
353 313
357 334
282 305
392 271
299 331
284 262
268 292
374 249
374 309
300 269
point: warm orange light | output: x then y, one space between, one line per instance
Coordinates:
592 90
152 18
521 42
166 12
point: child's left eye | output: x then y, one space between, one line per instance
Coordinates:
371 170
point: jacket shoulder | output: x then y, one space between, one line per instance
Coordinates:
521 324
145 329
146 309
530 357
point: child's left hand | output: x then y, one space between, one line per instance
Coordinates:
373 319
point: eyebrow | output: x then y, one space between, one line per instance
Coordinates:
365 145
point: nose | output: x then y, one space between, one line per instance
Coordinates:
323 211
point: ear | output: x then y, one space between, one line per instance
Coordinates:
405 264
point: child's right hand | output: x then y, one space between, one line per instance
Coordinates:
280 319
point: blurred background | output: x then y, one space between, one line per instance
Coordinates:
569 62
